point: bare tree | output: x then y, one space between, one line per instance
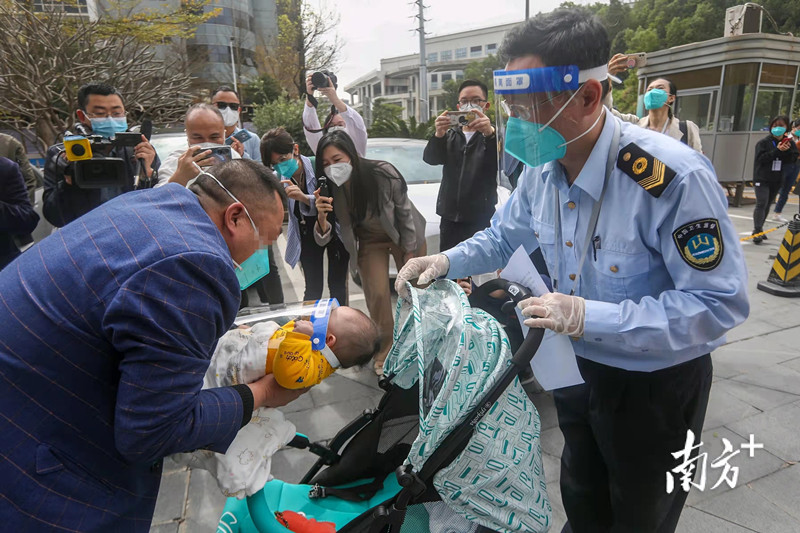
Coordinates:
306 41
46 57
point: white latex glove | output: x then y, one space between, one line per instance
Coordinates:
426 268
561 313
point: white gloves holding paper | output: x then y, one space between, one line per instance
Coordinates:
559 312
427 268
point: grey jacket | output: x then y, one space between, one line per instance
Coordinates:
401 221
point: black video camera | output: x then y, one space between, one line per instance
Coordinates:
320 79
90 155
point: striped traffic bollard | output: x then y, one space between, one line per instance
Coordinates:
784 278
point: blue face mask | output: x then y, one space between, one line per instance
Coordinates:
287 168
108 126
778 131
256 266
253 268
655 98
536 144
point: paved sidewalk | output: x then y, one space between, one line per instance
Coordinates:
756 391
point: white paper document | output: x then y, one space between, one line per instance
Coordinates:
554 365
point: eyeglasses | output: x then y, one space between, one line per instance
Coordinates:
474 101
226 105
118 114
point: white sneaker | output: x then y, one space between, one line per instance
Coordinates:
777 217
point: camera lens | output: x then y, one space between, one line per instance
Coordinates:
319 80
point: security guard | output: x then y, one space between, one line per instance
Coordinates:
648 271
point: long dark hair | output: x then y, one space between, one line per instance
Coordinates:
363 179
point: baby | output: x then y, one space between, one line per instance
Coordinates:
299 355
292 353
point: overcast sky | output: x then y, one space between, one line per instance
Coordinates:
375 29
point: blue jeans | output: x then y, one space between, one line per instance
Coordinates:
789 177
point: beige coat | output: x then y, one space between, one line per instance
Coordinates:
673 128
401 221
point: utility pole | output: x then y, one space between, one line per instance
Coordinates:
233 66
423 112
527 9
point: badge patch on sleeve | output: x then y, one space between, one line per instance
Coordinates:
650 173
700 243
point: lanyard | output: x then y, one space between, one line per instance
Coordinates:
612 157
664 129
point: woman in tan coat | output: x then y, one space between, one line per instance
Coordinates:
369 200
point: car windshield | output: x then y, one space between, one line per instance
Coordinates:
407 157
166 143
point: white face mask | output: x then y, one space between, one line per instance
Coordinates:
230 116
339 173
336 128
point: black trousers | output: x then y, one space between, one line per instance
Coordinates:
452 233
620 430
765 195
311 255
269 288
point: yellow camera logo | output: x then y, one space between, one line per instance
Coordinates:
77 148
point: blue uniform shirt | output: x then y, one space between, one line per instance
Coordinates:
650 304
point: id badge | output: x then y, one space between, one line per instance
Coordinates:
776 165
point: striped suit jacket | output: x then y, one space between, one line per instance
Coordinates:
106 331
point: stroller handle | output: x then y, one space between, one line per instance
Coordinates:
518 293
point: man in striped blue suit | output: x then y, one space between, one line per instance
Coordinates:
106 330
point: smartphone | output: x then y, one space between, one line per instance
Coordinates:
324 189
220 153
637 60
127 138
241 136
461 118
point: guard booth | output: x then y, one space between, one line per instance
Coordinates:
730 87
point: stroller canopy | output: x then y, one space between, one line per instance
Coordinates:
457 353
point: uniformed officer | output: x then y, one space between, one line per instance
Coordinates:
647 267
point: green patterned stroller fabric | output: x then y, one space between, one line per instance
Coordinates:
457 353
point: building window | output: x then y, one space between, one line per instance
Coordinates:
491 49
446 77
461 53
73 8
433 57
447 55
476 51
434 81
459 75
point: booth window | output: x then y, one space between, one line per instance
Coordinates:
738 97
773 101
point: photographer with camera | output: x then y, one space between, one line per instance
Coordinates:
342 116
466 145
101 114
205 140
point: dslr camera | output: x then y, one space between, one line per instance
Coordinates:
320 79
90 156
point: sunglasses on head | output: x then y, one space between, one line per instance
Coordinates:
225 105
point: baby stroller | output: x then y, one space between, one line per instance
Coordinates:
454 426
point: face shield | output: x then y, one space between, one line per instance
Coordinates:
529 101
317 312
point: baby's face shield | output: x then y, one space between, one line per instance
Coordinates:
528 101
